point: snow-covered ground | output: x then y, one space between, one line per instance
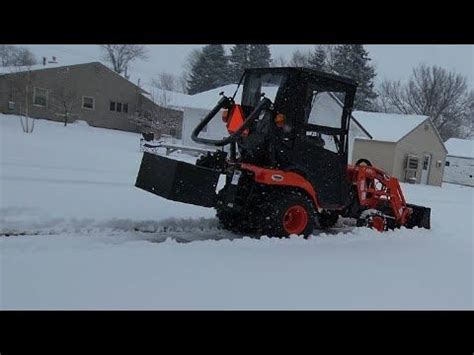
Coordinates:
67 195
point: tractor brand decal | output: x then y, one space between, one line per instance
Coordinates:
277 177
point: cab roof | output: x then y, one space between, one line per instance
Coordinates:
310 74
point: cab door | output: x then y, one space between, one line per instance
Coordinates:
320 148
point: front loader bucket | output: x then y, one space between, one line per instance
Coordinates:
178 181
420 217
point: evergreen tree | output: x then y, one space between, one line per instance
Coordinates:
317 59
210 69
259 56
352 60
238 61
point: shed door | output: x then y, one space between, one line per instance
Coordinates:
425 169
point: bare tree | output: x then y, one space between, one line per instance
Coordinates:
121 55
6 55
165 81
21 85
16 56
300 59
182 84
468 131
146 120
431 91
163 85
159 94
23 56
279 61
64 95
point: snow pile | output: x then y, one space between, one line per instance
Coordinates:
460 147
389 127
91 240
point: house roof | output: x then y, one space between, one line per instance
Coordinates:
460 147
206 100
36 67
48 65
388 127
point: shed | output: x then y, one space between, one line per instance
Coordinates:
459 167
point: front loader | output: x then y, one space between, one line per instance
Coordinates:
286 161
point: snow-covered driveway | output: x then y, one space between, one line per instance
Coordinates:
70 191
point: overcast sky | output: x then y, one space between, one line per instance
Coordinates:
391 61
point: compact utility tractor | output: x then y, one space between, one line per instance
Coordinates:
285 161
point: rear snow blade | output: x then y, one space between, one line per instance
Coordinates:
177 180
420 217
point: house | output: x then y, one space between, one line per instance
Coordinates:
408 147
88 91
196 107
459 168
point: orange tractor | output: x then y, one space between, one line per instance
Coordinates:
285 161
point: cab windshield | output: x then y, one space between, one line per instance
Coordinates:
256 84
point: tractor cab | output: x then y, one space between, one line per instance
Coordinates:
300 123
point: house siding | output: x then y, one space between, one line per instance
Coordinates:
380 154
418 142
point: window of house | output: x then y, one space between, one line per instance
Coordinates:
118 107
88 102
447 163
40 96
412 162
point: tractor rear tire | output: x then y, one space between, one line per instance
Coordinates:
287 213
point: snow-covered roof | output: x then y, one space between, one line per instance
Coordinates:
204 100
24 68
20 69
388 127
460 147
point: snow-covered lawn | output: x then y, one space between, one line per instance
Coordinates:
71 191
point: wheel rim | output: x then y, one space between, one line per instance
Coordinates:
295 220
378 223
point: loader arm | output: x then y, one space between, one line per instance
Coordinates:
376 189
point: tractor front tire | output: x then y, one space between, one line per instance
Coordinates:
287 213
373 219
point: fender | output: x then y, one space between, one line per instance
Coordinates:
283 178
